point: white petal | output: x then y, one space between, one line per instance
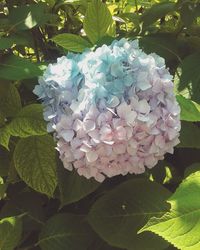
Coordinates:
119 149
89 125
143 81
143 107
85 148
91 156
67 135
130 117
77 124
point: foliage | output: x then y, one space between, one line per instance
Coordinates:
43 206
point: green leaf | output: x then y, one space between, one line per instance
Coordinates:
28 16
10 102
180 226
192 169
17 68
4 162
72 42
8 42
10 232
66 231
189 136
74 187
4 137
156 12
97 20
28 203
3 187
190 74
190 111
29 121
189 12
119 214
165 45
34 159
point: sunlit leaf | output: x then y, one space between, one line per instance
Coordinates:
181 225
97 20
72 42
190 111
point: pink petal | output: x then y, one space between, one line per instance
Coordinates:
119 148
120 133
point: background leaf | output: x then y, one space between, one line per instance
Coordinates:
17 68
157 11
28 16
190 74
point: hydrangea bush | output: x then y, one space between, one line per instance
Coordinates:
113 109
99 125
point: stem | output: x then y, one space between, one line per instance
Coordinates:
136 6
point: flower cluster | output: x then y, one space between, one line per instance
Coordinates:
113 110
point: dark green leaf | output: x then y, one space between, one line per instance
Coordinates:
4 162
164 45
66 231
3 187
190 74
10 102
156 12
189 136
118 215
8 42
29 121
34 159
28 16
17 68
74 187
10 232
189 12
192 169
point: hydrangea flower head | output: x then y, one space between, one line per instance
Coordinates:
113 110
